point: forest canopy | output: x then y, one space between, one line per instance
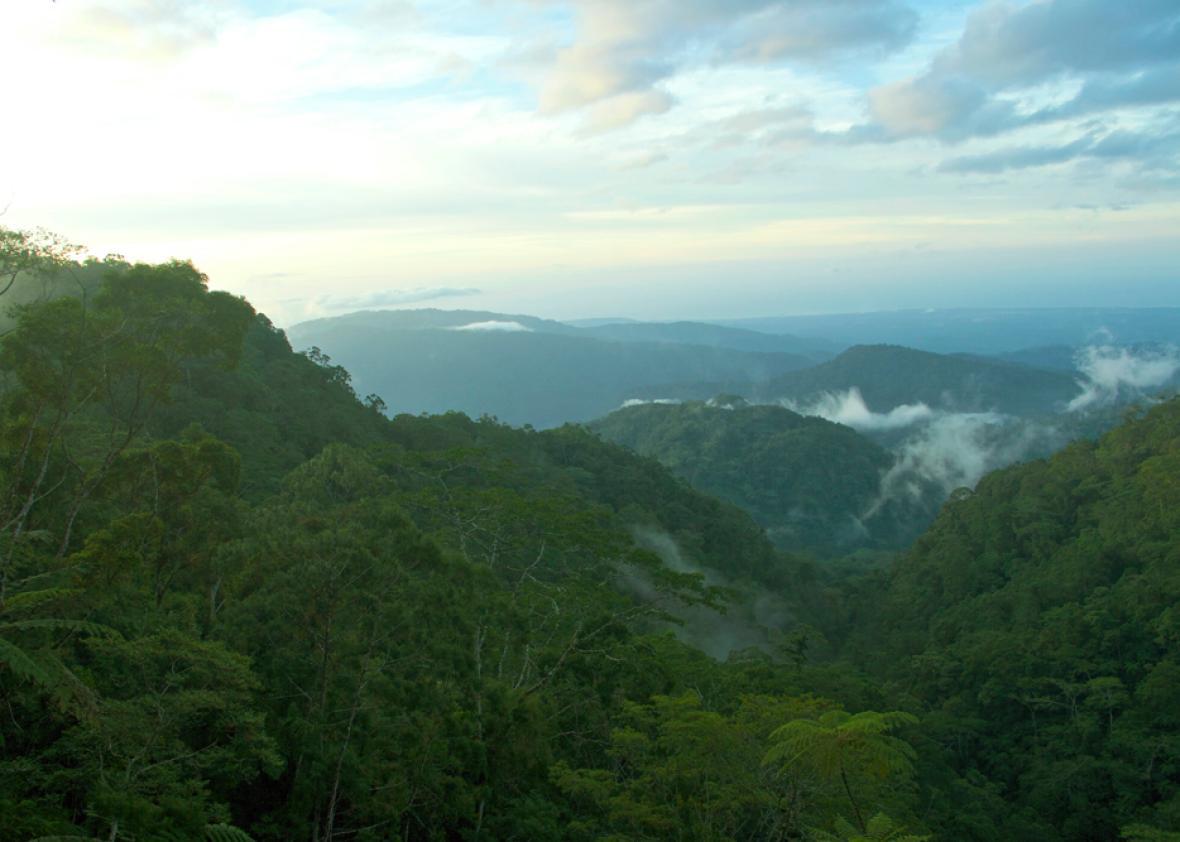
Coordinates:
238 602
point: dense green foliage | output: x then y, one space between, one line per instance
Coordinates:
807 481
238 603
316 623
1036 621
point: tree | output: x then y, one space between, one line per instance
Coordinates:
846 747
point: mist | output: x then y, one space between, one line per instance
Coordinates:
503 326
849 408
1112 374
750 618
955 450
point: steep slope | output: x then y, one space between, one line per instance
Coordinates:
806 480
411 632
888 376
275 407
1037 620
520 376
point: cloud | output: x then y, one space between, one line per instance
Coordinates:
146 29
1009 45
392 298
1114 373
954 451
1148 148
949 107
630 402
625 108
500 326
1016 158
815 30
849 408
1155 86
1115 56
625 49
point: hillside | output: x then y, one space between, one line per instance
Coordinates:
889 376
525 376
1037 622
238 603
808 481
319 618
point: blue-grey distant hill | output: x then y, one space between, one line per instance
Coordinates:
519 369
715 336
888 376
981 331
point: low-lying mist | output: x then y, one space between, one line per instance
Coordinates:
751 617
938 450
1113 375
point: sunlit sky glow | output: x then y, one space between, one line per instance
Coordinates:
647 158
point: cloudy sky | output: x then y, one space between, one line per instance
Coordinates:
648 158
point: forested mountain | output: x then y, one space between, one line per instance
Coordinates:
1036 626
406 633
236 602
888 376
807 481
504 367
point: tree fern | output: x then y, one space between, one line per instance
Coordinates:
880 828
225 833
838 744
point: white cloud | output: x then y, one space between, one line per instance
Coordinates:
630 402
626 50
1113 373
495 327
849 408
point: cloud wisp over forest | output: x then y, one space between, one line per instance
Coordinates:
656 158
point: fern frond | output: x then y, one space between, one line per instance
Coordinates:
32 599
57 624
21 663
226 833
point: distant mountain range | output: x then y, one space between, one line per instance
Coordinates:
981 331
520 369
527 370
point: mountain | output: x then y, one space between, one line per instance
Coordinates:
232 592
1054 357
525 374
427 319
1036 625
981 331
236 602
713 336
888 376
808 481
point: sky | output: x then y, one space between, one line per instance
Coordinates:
657 159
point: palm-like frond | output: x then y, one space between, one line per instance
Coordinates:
226 833
23 664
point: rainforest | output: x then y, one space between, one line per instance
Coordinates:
590 421
238 601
